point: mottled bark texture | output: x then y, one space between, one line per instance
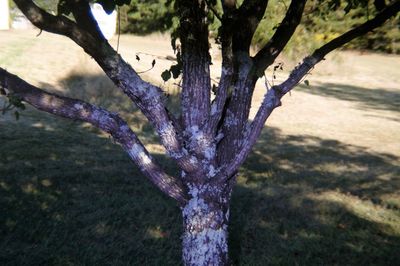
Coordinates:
213 138
205 224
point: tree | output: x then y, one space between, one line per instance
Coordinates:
211 139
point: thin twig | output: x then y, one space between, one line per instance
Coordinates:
215 12
119 26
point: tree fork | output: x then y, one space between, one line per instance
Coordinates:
215 139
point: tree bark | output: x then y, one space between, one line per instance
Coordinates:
205 224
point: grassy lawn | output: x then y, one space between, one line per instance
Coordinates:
320 188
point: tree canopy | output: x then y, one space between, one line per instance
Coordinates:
322 21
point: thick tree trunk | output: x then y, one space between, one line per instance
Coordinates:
205 221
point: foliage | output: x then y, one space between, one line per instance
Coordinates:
323 21
49 5
143 17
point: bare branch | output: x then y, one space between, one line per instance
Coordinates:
149 98
196 85
212 8
273 96
100 118
228 5
377 21
233 99
84 17
227 72
247 18
267 55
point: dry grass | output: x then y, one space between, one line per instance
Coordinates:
321 187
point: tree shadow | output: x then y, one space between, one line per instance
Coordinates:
303 200
375 99
71 197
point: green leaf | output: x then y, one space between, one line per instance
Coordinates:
176 70
214 89
16 101
166 75
307 82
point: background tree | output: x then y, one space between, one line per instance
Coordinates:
322 21
211 138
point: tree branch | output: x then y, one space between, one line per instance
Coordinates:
196 82
84 17
247 18
100 118
273 96
213 10
227 73
267 55
233 99
149 98
228 5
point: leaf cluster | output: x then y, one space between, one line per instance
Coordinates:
13 102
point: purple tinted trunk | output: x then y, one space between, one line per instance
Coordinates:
205 237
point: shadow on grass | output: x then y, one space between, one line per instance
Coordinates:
376 99
303 200
68 196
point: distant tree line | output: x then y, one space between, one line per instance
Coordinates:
147 16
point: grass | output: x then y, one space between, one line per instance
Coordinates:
306 195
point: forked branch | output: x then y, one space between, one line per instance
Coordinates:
84 17
149 98
272 98
111 123
247 18
267 55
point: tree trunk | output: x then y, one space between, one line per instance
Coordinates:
205 223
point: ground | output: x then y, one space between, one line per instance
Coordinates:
321 187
